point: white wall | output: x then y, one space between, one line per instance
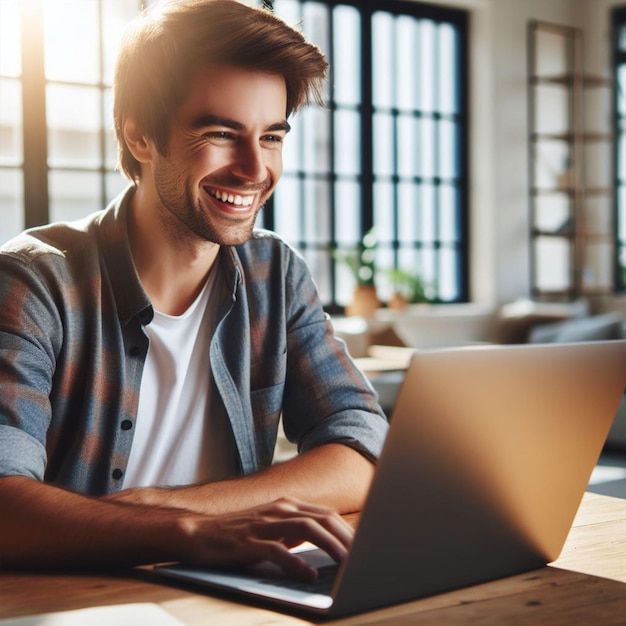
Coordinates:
498 130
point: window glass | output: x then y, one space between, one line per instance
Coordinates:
448 69
427 68
317 210
382 60
10 40
73 118
115 183
11 203
448 149
427 147
383 144
74 194
447 284
71 36
448 214
11 152
348 211
316 140
110 143
407 145
346 68
347 140
288 194
384 203
116 14
406 50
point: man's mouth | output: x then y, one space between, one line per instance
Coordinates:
230 198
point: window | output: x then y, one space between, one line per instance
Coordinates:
57 150
389 153
11 151
619 56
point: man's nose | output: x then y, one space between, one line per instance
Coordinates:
250 162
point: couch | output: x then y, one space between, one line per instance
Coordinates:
607 326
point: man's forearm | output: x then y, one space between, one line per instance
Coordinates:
45 527
332 475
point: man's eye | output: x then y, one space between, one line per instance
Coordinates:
273 138
219 135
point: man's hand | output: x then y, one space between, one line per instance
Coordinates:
265 533
43 526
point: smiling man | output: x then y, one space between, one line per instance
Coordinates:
148 352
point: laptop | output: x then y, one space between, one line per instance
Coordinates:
489 453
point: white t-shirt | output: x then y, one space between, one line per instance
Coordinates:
182 434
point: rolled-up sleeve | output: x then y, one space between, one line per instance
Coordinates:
327 398
27 355
21 454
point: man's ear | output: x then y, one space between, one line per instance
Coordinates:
139 145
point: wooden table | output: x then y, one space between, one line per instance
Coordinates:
586 585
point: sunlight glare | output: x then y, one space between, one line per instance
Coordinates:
10 64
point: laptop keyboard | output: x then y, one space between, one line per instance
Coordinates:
322 584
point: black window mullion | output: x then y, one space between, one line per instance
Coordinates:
461 28
367 120
332 244
619 211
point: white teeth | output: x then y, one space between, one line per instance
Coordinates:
237 200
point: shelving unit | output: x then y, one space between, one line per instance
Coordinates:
570 180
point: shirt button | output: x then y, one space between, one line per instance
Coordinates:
126 425
135 351
117 473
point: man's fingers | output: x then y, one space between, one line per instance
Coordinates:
266 533
290 509
289 562
294 531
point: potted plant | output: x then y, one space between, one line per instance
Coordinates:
361 262
408 288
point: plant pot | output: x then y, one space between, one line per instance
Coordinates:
398 302
364 301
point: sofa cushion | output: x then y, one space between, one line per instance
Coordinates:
594 328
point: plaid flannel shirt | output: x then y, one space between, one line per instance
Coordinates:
73 346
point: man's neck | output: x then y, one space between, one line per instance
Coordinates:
171 271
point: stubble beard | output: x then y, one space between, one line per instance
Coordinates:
187 219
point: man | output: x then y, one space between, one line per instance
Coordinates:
147 352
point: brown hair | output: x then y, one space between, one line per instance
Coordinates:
162 47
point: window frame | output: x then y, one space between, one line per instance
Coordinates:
367 178
618 57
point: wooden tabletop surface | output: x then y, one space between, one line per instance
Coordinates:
586 585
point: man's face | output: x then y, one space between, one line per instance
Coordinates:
224 154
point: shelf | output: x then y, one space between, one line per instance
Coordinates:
561 162
557 191
585 137
588 81
599 191
555 234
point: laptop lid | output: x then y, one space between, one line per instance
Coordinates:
489 452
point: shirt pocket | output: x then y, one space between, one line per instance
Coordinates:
267 385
